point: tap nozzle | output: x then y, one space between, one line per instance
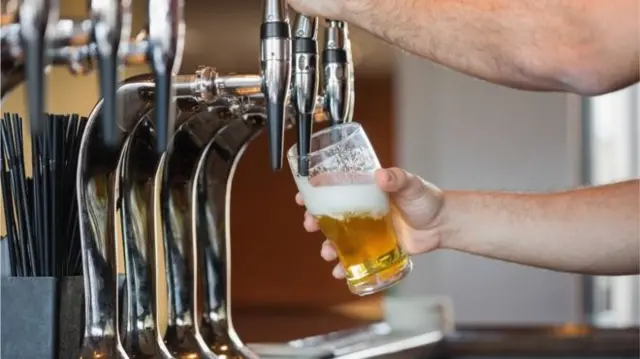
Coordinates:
36 18
351 88
111 26
164 54
305 84
334 57
275 62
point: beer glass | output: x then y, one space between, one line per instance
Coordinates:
353 213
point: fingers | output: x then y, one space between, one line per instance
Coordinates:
299 199
310 223
329 254
338 272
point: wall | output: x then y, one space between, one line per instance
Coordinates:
461 133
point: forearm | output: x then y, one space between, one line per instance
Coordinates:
528 44
592 231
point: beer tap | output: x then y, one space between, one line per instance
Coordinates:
351 88
305 84
36 17
336 83
275 62
165 45
111 26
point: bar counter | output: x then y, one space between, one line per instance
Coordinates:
261 324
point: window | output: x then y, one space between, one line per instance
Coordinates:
613 154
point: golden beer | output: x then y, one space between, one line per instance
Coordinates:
337 182
368 249
357 219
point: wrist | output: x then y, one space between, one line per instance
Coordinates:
450 223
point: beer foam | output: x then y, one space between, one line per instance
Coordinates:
337 200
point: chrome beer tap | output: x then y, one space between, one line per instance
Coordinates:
275 62
305 83
335 62
36 18
166 42
111 26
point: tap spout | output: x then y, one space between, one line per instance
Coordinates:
36 18
111 26
166 42
335 62
275 61
305 84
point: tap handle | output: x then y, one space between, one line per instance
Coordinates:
165 45
275 62
305 84
111 26
335 62
36 18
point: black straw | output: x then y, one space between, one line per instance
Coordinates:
41 213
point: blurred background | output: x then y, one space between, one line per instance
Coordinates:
455 131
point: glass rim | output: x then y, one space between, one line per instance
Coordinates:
292 153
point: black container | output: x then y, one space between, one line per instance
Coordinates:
42 317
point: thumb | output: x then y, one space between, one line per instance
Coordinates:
418 201
400 184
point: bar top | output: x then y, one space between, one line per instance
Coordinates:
274 324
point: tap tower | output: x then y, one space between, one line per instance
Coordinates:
158 157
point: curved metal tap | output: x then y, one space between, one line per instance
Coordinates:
36 17
172 222
275 62
210 214
166 42
305 83
96 213
132 197
111 25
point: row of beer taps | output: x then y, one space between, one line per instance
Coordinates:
132 134
33 37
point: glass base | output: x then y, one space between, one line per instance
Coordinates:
382 280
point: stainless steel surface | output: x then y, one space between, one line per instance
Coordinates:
132 195
305 83
96 211
173 232
210 211
166 42
336 72
275 62
36 17
378 340
111 26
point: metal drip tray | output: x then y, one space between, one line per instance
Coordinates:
374 341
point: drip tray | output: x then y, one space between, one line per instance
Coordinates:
373 341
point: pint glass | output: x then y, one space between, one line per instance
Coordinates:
352 212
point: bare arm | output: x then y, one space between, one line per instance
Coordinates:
593 230
584 46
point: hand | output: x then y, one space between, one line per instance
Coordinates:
330 9
417 214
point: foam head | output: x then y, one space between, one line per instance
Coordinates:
336 200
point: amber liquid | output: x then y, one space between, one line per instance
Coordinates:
367 246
